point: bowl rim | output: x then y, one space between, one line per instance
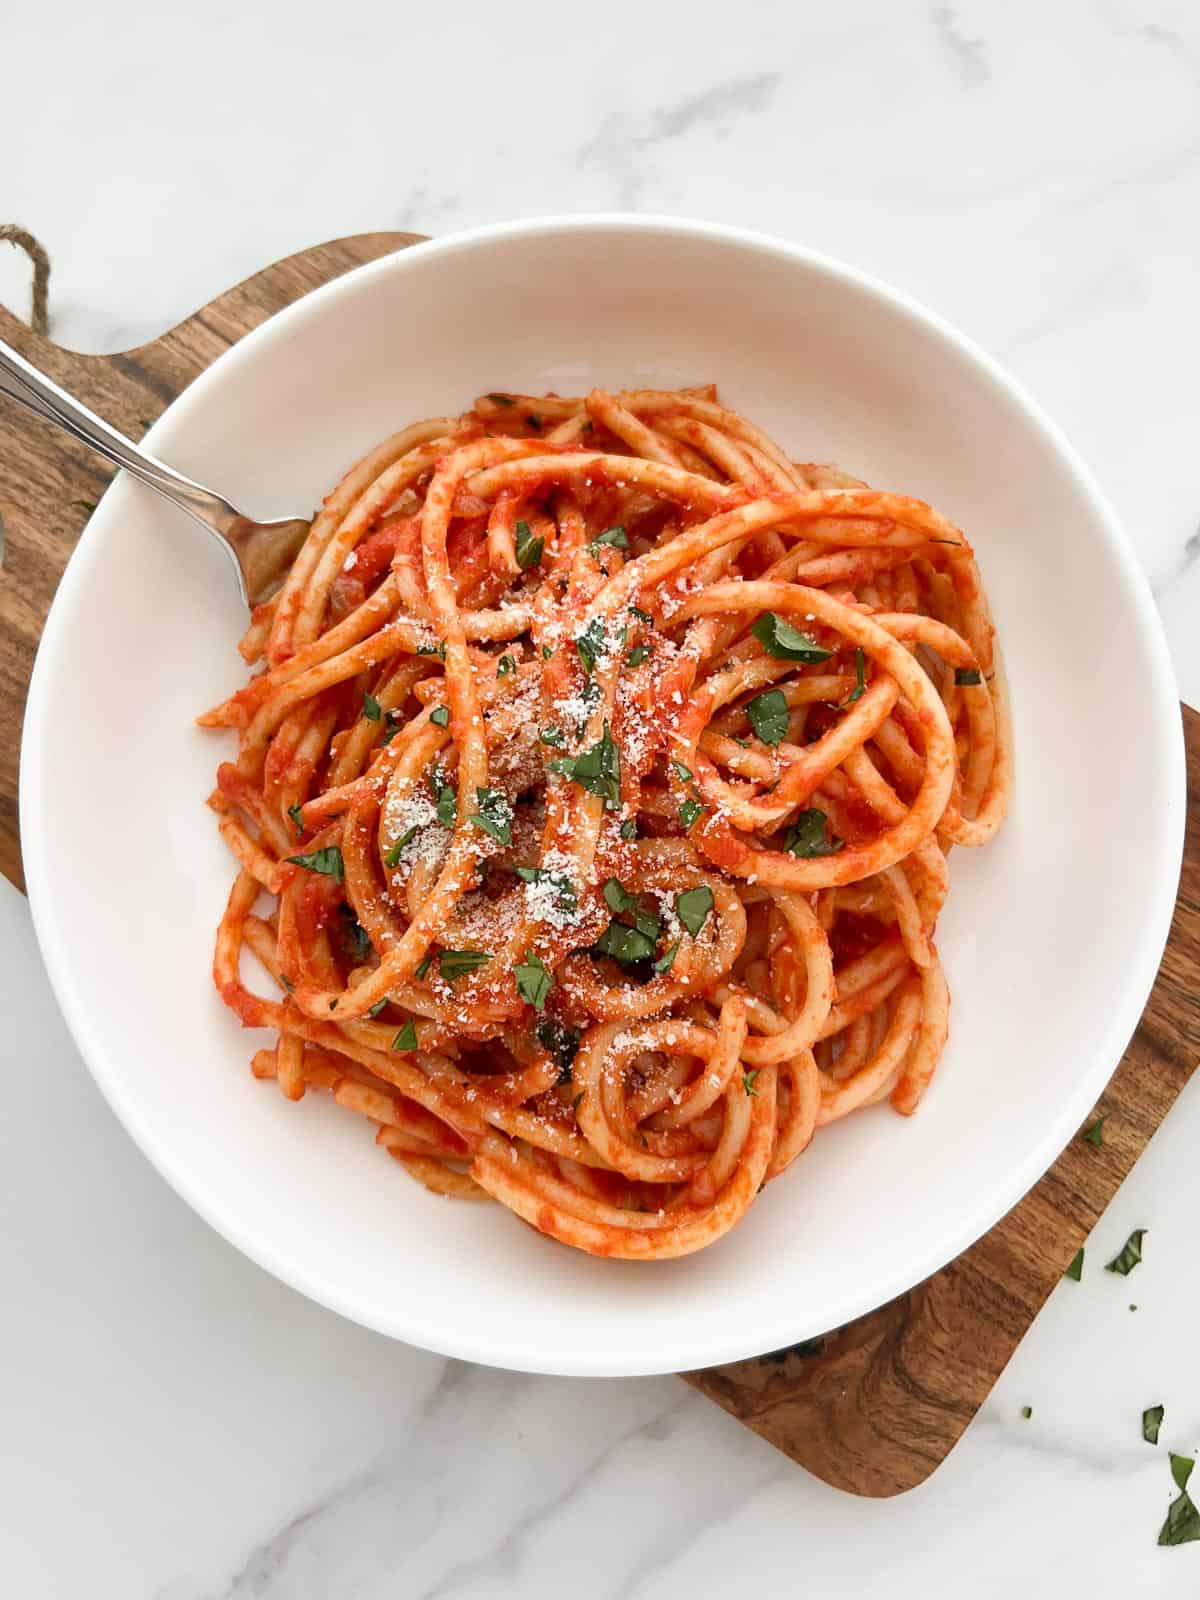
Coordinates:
472 1343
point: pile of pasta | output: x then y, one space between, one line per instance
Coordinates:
592 804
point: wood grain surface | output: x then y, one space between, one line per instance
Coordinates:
872 1407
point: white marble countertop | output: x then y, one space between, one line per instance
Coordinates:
180 1426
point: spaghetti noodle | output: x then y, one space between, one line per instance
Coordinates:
601 772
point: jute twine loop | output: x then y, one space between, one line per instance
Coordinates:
24 240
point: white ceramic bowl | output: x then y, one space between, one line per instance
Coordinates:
1051 936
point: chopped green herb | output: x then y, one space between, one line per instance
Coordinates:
294 813
617 537
964 677
355 940
1181 1469
438 650
371 708
505 665
561 1042
693 908
689 811
422 968
624 944
768 715
806 836
590 644
494 815
637 655
1183 1520
440 716
529 549
666 962
447 806
748 1081
328 860
1129 1255
568 895
1075 1270
1027 1412
779 639
617 897
597 770
392 859
682 772
394 723
534 981
860 679
551 736
1151 1423
745 743
406 1039
502 399
579 1096
377 1007
454 964
1095 1134
333 1005
628 829
546 652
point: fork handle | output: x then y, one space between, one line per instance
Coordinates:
32 389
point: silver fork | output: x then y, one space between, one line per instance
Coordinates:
262 552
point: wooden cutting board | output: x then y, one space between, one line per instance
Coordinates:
872 1407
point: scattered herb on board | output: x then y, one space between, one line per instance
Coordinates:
1027 1412
406 1039
1183 1520
1075 1270
529 548
1151 1423
1129 1255
806 836
779 639
440 716
1095 1134
693 908
768 715
748 1081
371 708
534 980
966 677
454 964
327 860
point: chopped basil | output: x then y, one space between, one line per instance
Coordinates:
551 736
745 743
294 813
438 650
447 806
617 537
546 652
504 666
748 1081
494 815
371 708
666 962
860 679
1027 1412
964 677
806 836
406 1039
1151 1423
534 981
1183 1519
454 964
637 655
568 895
1181 1469
422 968
768 715
440 716
502 399
628 829
779 639
682 772
624 944
561 1042
590 644
642 616
377 1007
392 859
693 907
597 770
1075 1270
328 860
1129 1255
617 897
1095 1134
689 811
355 940
529 549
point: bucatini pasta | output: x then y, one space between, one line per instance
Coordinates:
593 801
